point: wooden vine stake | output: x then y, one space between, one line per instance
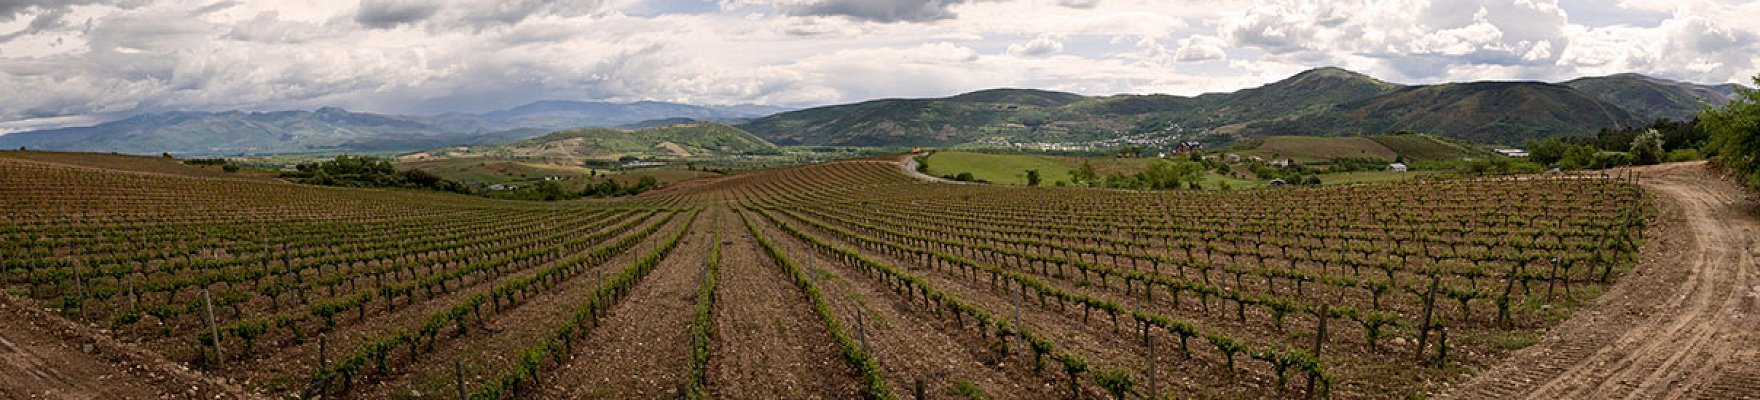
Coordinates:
862 332
458 374
1017 321
213 327
79 285
1153 359
1320 334
134 300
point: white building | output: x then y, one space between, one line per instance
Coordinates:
1512 152
1396 167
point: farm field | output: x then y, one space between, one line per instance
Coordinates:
836 280
1010 169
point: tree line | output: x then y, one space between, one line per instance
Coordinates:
368 171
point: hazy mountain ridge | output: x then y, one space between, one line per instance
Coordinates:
1321 101
679 140
335 129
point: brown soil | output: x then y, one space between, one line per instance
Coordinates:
1093 338
768 342
906 339
1684 324
639 350
297 361
46 356
493 345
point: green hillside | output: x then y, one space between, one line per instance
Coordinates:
695 139
1653 98
1318 102
1319 149
1483 112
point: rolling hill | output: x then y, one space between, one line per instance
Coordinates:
1486 112
231 132
1322 149
680 140
1652 97
564 114
333 129
1322 101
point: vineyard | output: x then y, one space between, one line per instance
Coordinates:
835 280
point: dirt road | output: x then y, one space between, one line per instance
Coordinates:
1685 324
909 163
45 357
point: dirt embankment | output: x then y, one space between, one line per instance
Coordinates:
1684 324
43 356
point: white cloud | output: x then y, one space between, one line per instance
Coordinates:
1043 45
1200 48
1437 40
71 60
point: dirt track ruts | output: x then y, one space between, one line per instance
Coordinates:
1683 324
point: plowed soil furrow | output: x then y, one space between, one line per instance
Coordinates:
1095 338
297 361
638 352
493 347
768 343
910 341
1682 325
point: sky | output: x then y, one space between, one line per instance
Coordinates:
73 62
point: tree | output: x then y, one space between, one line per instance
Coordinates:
1032 177
1577 157
550 190
1163 175
1085 174
1549 151
1647 148
1735 133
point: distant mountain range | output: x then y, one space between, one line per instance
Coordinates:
1323 101
334 129
573 146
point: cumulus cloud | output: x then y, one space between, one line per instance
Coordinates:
384 14
71 60
11 9
1433 40
451 14
1078 3
887 11
1200 48
46 20
1043 45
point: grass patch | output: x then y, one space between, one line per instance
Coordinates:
1372 176
1426 147
1008 169
1311 149
966 390
1513 340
